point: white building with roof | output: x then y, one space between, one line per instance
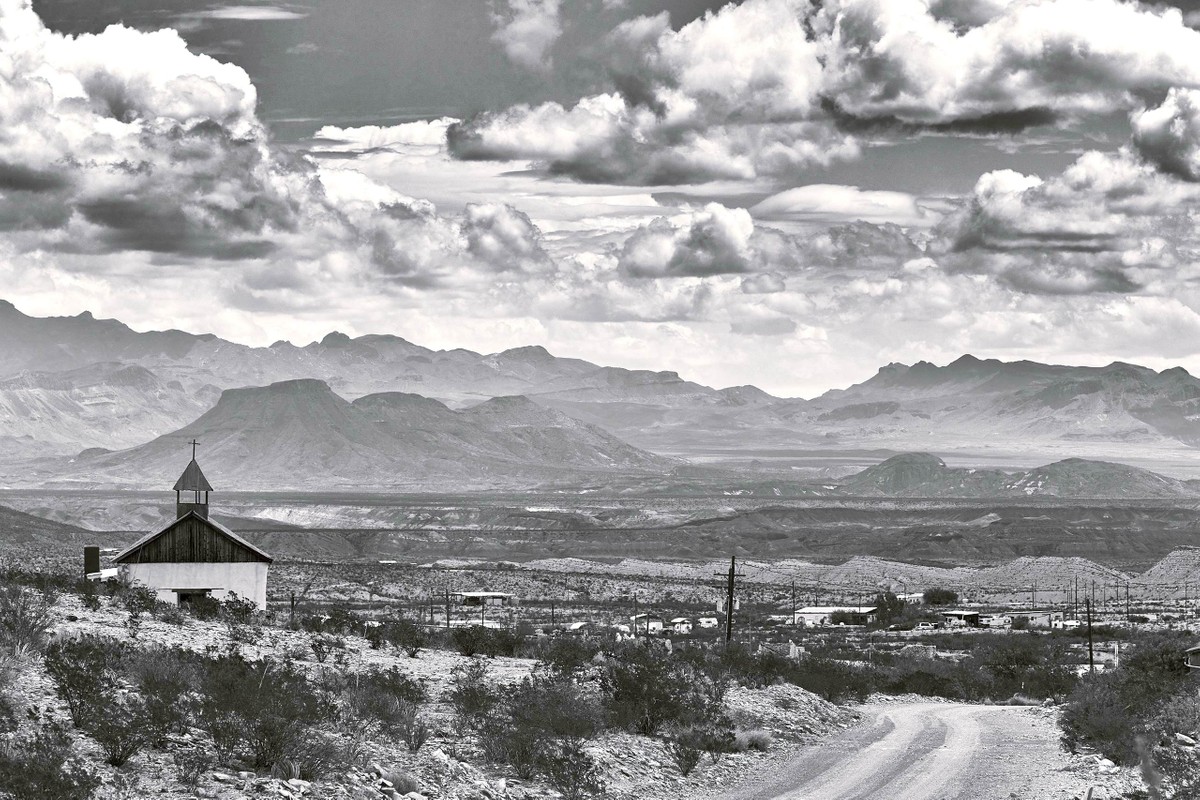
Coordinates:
193 556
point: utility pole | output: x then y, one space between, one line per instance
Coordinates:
793 601
447 609
1091 652
730 579
1033 596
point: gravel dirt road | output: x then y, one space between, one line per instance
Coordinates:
929 751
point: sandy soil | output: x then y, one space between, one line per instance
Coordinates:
934 751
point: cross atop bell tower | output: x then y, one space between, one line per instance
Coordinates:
192 480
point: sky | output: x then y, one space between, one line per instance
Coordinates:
782 193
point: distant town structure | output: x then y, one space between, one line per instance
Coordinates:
194 556
489 599
824 615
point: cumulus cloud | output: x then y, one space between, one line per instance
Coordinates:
821 202
1169 135
731 95
713 241
127 141
527 29
1111 222
769 87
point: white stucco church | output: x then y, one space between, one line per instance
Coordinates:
195 556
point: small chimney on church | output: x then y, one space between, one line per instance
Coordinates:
191 490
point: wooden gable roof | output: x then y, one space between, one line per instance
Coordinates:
191 539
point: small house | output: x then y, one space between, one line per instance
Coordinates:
834 615
1037 619
194 556
681 626
646 623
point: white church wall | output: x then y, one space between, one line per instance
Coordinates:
246 579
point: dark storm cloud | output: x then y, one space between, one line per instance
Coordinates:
139 225
18 177
996 122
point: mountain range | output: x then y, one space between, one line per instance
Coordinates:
299 434
81 385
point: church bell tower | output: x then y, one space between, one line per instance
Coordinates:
192 488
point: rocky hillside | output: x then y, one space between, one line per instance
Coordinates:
990 401
925 475
300 434
106 405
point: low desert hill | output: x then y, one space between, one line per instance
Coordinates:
300 434
925 475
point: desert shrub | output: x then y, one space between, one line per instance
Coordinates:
238 609
1032 665
1093 715
1109 711
938 596
24 619
572 771
323 644
42 767
477 640
759 740
84 670
316 754
191 763
263 706
376 636
1179 764
407 635
529 718
470 696
395 682
645 689
89 595
163 678
342 620
410 728
120 726
835 680
204 607
169 613
387 699
137 599
567 655
685 746
403 782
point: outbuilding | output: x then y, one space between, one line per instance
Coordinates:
194 556
833 615
681 626
646 623
961 619
477 599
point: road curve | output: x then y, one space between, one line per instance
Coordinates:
920 751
